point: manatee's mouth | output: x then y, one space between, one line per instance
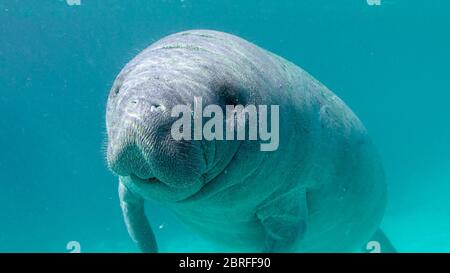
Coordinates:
150 180
155 189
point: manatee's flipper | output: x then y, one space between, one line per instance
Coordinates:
284 219
134 215
379 243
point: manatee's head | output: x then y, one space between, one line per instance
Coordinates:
141 149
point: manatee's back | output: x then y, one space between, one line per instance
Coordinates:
347 196
201 57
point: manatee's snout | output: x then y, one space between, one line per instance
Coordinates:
128 143
140 145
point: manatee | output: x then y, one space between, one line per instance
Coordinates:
322 190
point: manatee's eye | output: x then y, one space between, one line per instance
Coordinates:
232 96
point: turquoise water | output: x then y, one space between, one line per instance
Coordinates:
389 63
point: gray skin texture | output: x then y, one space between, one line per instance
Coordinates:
323 190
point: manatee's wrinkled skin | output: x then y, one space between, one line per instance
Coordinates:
323 190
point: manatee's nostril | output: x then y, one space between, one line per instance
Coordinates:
157 107
134 102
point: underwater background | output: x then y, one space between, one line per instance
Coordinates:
388 62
